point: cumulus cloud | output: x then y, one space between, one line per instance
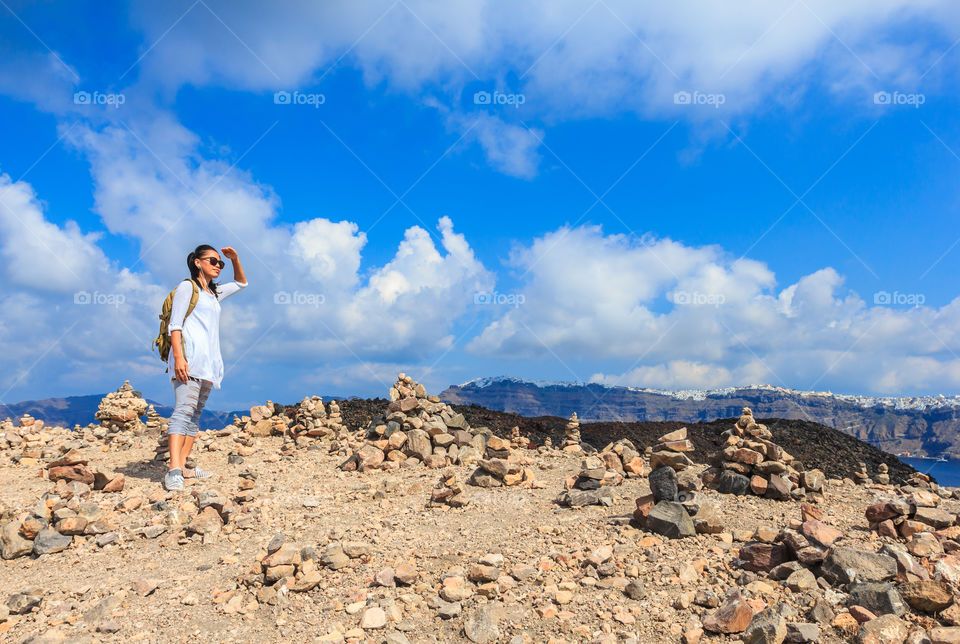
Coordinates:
678 316
65 303
567 59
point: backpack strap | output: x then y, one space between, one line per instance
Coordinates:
193 303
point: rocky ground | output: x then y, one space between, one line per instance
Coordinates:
364 556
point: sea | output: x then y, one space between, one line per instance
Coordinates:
947 473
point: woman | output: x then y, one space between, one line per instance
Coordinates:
195 361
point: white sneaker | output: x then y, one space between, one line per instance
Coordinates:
173 479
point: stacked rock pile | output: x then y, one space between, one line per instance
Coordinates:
417 429
156 424
883 474
914 515
264 420
672 449
874 596
501 466
33 439
448 491
592 485
516 440
119 414
284 565
622 457
315 424
750 462
72 466
571 438
674 512
67 511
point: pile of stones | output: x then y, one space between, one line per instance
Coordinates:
448 492
672 449
592 485
33 439
868 595
571 438
285 566
750 462
417 429
156 424
314 423
119 414
72 466
674 512
862 477
623 458
501 466
913 515
264 420
67 511
516 440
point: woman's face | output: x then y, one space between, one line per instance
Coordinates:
210 265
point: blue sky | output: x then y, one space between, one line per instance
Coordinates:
801 233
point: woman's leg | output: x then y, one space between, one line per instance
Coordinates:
186 395
202 395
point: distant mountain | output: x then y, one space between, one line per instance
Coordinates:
919 426
79 410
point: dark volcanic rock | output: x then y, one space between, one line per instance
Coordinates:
880 598
847 565
728 482
663 484
670 519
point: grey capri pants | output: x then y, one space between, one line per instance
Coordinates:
191 396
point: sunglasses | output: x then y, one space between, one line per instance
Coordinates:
214 261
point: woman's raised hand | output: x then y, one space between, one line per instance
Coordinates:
229 252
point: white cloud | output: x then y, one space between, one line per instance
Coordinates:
677 316
568 59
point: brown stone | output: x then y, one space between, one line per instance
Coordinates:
763 557
810 512
732 617
820 532
71 473
928 596
758 485
73 457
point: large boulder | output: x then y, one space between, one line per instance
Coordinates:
846 565
670 519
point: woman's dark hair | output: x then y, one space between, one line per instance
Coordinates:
194 271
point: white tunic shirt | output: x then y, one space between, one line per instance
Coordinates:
201 330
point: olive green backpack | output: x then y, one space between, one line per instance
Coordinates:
163 341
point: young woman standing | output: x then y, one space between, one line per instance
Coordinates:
195 363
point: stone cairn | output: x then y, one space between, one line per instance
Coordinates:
623 458
516 440
591 486
571 439
156 424
883 474
314 424
912 514
750 462
671 450
34 439
501 466
417 429
674 508
119 415
70 509
448 492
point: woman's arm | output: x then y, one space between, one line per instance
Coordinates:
178 313
231 254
